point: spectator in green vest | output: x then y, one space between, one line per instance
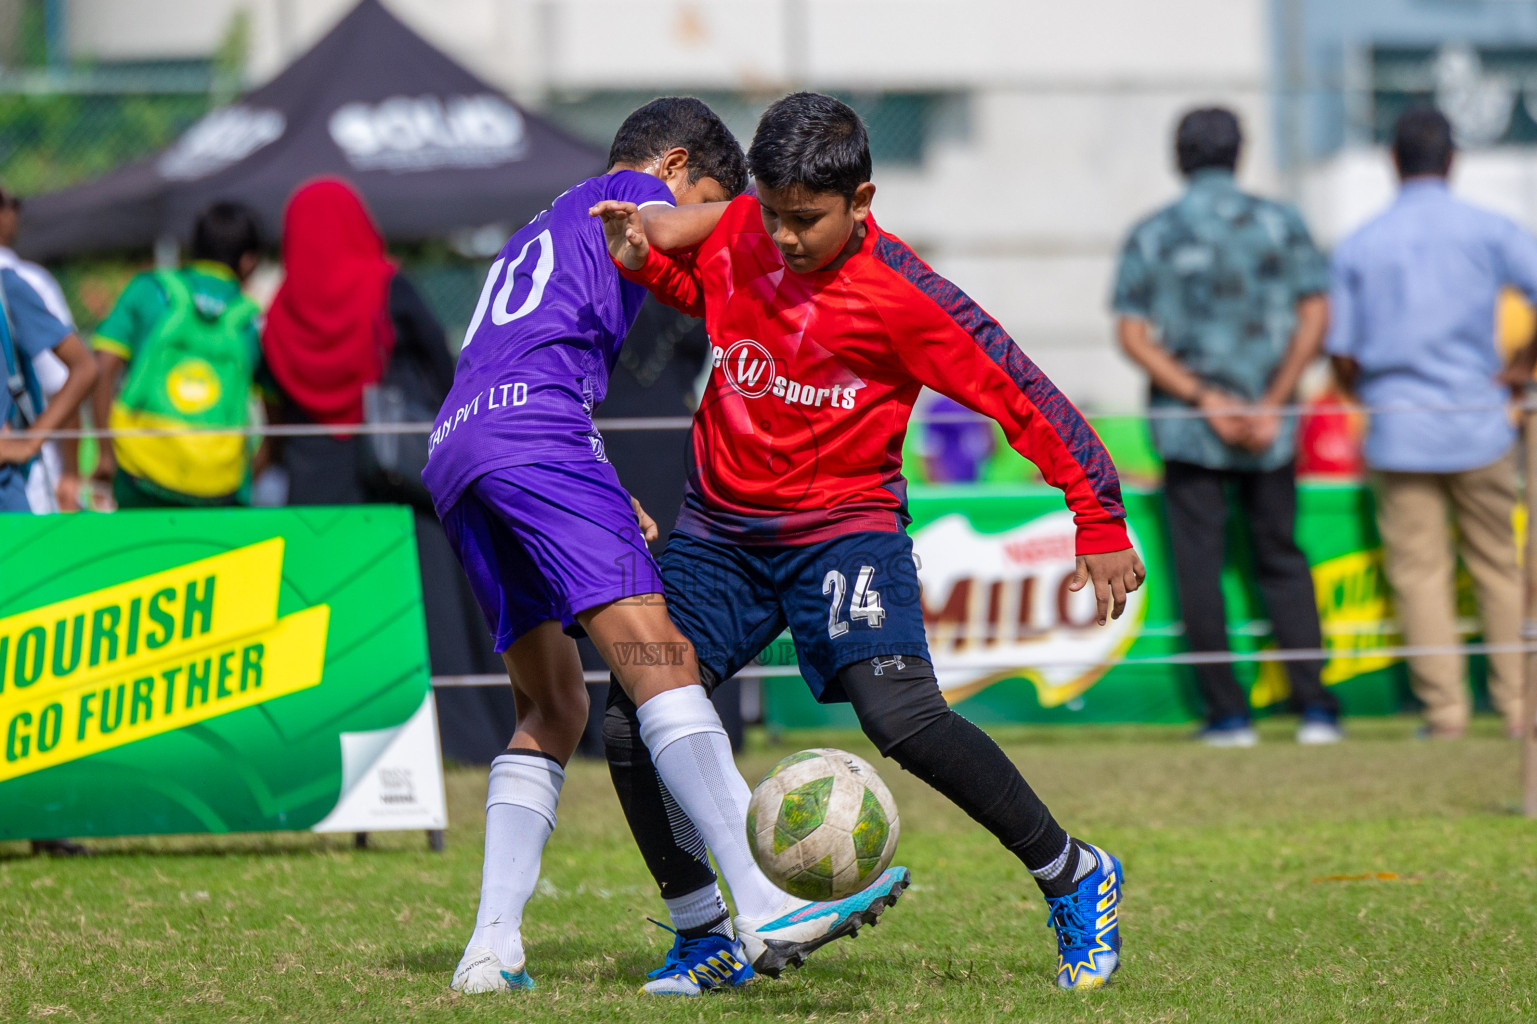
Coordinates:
178 352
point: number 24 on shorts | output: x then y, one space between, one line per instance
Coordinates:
866 606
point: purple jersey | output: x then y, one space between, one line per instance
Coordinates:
537 355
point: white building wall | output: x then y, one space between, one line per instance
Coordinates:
1064 142
147 29
1344 192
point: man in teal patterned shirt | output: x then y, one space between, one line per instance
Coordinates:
1221 298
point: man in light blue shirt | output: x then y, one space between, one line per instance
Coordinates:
1413 296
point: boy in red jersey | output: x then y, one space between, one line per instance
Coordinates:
825 328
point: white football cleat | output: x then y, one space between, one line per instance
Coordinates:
787 940
479 970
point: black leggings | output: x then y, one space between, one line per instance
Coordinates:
903 713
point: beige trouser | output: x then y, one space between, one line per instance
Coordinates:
1417 553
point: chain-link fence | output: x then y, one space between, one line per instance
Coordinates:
450 285
49 140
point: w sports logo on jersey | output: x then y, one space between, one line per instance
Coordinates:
749 370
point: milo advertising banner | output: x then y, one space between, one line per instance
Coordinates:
214 671
1013 644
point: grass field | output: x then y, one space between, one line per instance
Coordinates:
1237 905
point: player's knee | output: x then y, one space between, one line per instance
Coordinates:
569 704
895 698
561 713
579 705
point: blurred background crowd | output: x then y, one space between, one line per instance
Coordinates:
314 190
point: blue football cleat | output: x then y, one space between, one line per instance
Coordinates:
1087 922
787 940
695 965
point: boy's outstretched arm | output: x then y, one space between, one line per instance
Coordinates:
671 229
670 278
675 229
948 342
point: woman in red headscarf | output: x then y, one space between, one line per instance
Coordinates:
343 318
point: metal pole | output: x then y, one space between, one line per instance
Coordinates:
287 37
1529 698
1293 97
56 35
793 38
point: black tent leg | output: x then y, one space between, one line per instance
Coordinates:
435 840
360 840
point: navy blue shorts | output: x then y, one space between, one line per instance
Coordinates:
844 600
548 541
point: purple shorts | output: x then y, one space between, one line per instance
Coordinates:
548 541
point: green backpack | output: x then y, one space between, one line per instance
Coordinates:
194 369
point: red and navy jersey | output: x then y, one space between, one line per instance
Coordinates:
798 436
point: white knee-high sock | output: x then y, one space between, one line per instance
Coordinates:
693 756
520 815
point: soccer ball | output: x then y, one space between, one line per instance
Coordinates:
822 825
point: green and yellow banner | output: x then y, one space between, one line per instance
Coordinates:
213 670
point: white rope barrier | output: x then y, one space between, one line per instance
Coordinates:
620 424
1008 664
331 429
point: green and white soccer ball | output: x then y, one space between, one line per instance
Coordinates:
822 825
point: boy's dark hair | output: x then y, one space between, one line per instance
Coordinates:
225 232
713 152
1422 142
813 141
1209 137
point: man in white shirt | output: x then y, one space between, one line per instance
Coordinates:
55 475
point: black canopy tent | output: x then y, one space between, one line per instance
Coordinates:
431 147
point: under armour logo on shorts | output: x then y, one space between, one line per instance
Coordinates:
882 664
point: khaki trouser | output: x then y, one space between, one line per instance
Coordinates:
1417 552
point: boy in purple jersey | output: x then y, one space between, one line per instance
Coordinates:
554 546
